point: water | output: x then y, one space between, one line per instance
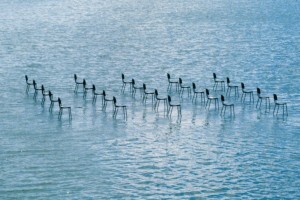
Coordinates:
150 156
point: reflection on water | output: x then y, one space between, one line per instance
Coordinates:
251 154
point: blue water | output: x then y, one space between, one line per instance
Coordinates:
203 155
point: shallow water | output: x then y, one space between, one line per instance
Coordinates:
148 156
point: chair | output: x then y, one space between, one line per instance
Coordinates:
61 108
77 83
217 81
261 98
52 101
182 87
225 105
27 84
146 93
86 89
245 92
171 82
195 95
44 95
125 83
210 98
229 87
105 100
158 99
278 104
36 89
171 105
134 88
116 108
95 94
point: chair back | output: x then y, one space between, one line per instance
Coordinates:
258 91
169 77
243 86
26 78
169 99
114 100
94 88
275 97
75 78
180 81
228 81
50 95
133 82
144 86
222 98
43 89
34 84
156 93
215 76
84 83
207 92
123 77
104 94
194 86
59 102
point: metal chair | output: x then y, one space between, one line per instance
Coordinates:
28 84
105 100
158 99
245 93
210 98
96 94
171 105
116 108
125 83
44 95
182 87
134 88
86 89
225 105
77 83
61 108
261 98
278 104
146 93
172 81
36 89
229 87
195 95
52 101
217 81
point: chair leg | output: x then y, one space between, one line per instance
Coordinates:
227 91
70 113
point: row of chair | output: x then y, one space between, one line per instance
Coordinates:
180 87
85 90
50 95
